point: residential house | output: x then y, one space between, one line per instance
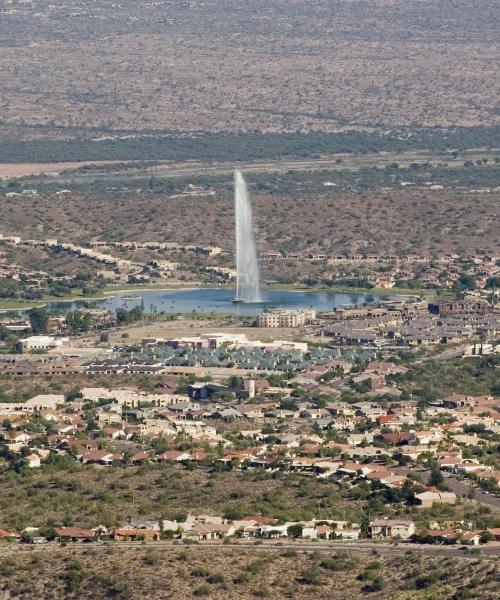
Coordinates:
208 531
391 528
75 534
173 456
127 535
429 498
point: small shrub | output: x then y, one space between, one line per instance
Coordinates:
425 581
151 558
183 556
262 592
200 572
202 590
242 578
256 566
310 576
338 562
376 585
74 575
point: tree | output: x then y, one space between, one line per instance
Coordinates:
124 316
365 526
73 394
78 322
295 531
436 477
465 282
39 320
486 536
234 381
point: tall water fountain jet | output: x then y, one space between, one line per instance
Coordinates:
247 266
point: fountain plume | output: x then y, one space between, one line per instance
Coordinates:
247 266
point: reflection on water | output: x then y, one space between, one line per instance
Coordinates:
215 300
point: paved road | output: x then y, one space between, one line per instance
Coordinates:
463 489
459 486
278 166
360 547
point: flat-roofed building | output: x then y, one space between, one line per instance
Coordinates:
39 342
282 317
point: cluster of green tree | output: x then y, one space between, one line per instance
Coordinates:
465 282
9 460
110 167
78 321
11 288
479 175
378 496
493 283
409 284
39 319
330 375
269 183
8 341
361 387
361 283
246 146
432 380
125 317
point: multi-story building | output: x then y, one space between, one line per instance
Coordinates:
281 317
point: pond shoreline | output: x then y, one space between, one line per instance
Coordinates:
7 306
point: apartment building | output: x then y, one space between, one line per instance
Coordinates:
281 317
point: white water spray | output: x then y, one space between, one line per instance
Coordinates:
247 266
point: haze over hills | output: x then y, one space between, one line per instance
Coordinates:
249 299
80 67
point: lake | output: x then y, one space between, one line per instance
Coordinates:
215 300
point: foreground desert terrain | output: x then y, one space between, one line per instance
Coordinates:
230 573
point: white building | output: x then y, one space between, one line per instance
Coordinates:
130 398
39 342
36 404
282 317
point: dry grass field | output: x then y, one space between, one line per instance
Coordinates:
246 65
15 170
188 327
229 573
